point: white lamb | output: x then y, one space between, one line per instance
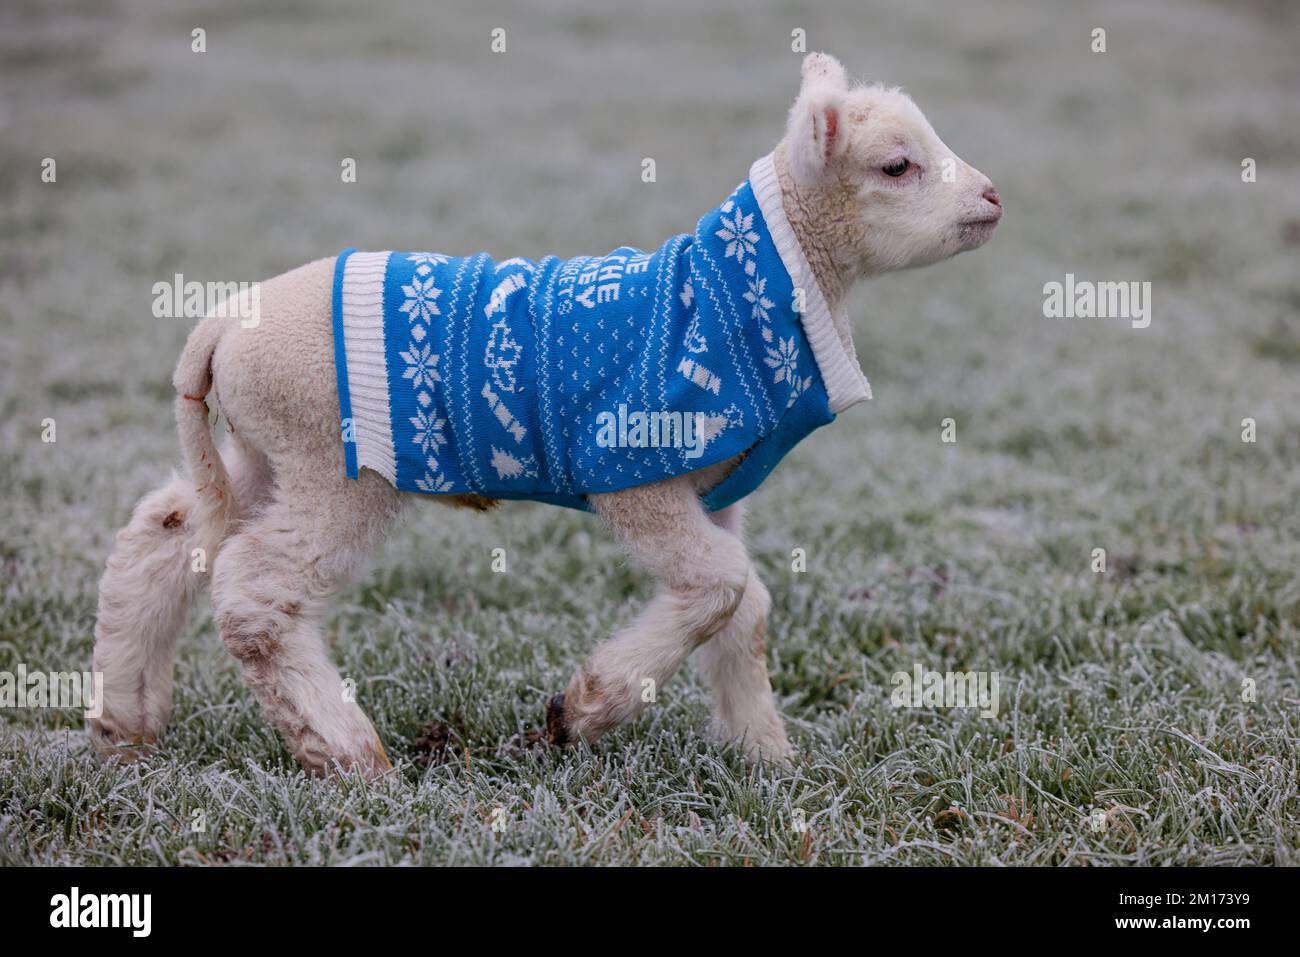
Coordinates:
866 186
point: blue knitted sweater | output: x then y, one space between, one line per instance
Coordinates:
553 379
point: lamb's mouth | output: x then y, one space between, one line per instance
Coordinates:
977 231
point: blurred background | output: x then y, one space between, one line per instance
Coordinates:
1072 435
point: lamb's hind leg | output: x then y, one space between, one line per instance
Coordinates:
702 571
734 662
151 579
271 586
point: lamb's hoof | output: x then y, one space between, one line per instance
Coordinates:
112 742
317 759
381 763
557 731
773 749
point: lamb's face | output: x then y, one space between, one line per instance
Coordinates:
902 198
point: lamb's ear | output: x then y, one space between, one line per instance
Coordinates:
822 69
814 131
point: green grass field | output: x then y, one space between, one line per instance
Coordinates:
1125 734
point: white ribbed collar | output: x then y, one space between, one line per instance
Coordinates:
838 364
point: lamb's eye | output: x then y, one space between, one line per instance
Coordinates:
895 169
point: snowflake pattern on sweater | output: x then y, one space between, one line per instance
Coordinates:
463 374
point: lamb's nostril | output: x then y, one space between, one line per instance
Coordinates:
991 195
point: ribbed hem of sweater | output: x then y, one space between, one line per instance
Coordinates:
842 376
367 367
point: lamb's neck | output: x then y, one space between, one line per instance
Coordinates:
812 215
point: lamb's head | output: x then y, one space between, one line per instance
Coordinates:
882 190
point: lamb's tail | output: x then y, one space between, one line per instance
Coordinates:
215 497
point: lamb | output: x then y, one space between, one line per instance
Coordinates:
287 511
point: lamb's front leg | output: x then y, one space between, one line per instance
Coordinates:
702 572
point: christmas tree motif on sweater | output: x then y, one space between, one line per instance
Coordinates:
712 426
